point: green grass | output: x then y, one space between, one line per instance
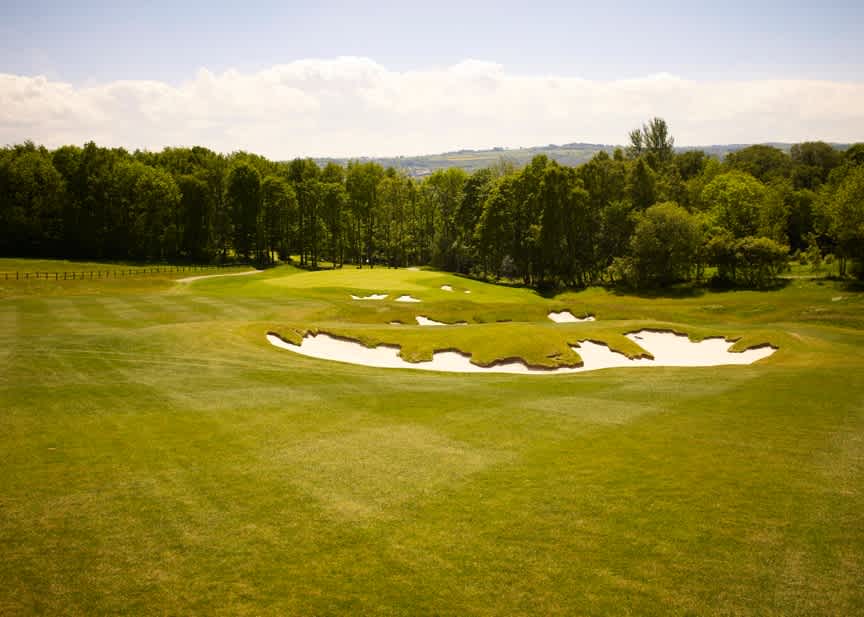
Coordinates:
158 456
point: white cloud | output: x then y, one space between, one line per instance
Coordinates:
354 106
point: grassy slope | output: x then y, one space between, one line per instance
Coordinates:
158 456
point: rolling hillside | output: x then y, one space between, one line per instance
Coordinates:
572 154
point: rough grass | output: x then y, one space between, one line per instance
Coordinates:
157 456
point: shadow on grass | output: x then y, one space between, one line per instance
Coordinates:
855 285
695 290
674 291
777 284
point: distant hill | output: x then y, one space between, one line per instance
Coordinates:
572 154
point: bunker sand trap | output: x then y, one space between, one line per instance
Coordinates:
190 279
371 297
407 299
568 317
425 321
667 349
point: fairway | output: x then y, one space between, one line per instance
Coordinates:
159 456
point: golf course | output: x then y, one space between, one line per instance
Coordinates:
159 455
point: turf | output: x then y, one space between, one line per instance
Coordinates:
157 456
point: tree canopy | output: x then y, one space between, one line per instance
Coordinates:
653 217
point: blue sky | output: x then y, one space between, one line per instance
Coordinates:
81 45
80 41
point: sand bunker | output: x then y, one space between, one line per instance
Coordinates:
668 349
568 317
446 288
372 297
425 321
407 299
189 279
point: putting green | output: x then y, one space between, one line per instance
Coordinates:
159 456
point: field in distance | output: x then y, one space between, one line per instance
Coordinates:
572 154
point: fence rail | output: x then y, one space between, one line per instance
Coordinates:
116 273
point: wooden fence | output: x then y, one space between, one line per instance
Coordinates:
115 273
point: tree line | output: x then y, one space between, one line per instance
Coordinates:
645 215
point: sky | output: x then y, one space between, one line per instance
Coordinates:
288 79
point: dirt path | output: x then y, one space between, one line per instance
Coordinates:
189 279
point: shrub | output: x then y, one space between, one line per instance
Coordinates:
750 261
759 260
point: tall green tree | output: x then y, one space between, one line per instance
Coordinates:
641 185
813 161
31 203
154 214
568 229
736 199
765 163
243 195
474 193
653 142
494 232
196 216
393 191
845 215
334 203
279 203
664 247
361 183
444 189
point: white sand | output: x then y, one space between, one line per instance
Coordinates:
668 349
407 299
372 297
671 349
189 279
568 317
425 321
446 288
